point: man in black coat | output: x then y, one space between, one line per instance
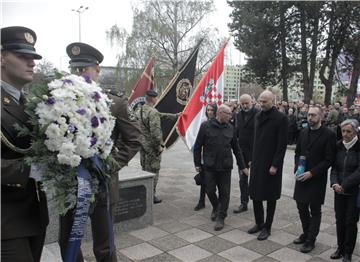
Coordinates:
270 141
214 143
24 213
245 124
317 144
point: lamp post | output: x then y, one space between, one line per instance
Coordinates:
80 10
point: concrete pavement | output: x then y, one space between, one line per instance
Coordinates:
181 234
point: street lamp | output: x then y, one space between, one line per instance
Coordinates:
80 10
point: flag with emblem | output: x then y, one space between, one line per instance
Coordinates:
145 82
176 95
209 90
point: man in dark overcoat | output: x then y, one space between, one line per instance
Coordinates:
245 124
24 213
317 144
270 141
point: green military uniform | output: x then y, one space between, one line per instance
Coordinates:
126 136
24 212
150 153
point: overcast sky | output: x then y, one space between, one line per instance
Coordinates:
56 25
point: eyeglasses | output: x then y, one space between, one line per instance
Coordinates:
228 113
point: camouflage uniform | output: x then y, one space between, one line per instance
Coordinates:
150 152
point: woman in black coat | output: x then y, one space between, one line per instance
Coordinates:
345 180
210 113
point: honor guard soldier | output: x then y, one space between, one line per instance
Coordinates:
24 214
84 61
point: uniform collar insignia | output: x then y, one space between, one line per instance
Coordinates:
6 100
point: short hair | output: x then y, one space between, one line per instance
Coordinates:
352 122
319 108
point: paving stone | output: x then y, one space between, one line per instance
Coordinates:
265 259
331 230
190 253
122 258
237 221
209 227
195 220
236 236
215 244
214 258
140 251
51 253
319 248
327 239
287 254
280 223
283 238
149 233
174 226
161 258
239 254
193 235
124 240
294 229
316 259
169 242
262 247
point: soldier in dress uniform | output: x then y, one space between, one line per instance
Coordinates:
24 213
85 60
152 145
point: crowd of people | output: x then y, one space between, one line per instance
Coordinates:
256 132
262 129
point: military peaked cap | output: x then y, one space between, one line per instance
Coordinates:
151 93
20 40
83 55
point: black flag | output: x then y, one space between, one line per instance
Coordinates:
176 95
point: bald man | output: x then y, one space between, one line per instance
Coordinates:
270 141
245 124
213 144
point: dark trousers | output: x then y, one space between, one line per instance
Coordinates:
244 188
259 212
202 194
27 249
221 180
310 216
347 216
100 233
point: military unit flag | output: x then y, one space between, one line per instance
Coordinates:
145 82
176 95
209 90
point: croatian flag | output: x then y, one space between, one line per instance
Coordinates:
209 90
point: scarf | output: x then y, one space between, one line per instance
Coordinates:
349 145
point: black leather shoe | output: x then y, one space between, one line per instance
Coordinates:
337 254
255 229
219 224
300 240
307 247
199 206
265 233
242 208
157 200
347 258
214 214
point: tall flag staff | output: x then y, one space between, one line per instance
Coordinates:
209 90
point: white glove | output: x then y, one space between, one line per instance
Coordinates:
36 172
